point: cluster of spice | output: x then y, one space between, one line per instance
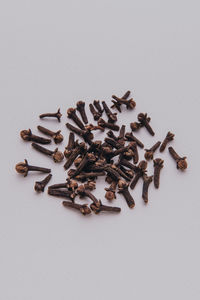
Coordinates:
116 157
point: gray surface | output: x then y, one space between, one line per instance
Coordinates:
54 53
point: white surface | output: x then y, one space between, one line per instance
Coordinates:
54 53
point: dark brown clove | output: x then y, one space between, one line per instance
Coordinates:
140 170
106 208
92 127
117 104
71 113
80 106
88 158
57 136
150 152
84 209
80 148
62 193
82 192
56 155
144 120
130 137
87 175
169 137
181 162
57 115
112 117
96 114
123 189
105 124
27 135
133 147
85 134
111 191
130 104
98 106
146 182
158 165
135 126
40 185
70 146
24 168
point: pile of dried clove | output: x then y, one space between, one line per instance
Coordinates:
116 157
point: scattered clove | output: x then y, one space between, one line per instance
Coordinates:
24 168
150 152
96 114
57 115
40 185
27 135
169 137
105 124
158 165
144 120
57 136
106 208
83 208
112 117
181 162
140 170
71 113
80 106
56 155
123 189
146 182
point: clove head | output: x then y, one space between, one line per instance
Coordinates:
22 168
57 156
26 134
58 137
39 186
182 164
158 162
148 154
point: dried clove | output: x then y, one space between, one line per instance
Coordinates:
105 124
70 146
98 106
71 113
88 158
123 189
82 192
90 185
62 193
133 147
137 125
96 114
24 168
130 104
80 148
112 117
27 135
106 208
57 136
146 182
80 106
181 162
56 155
144 120
140 170
150 152
111 191
130 137
57 115
85 134
169 137
117 104
83 208
40 185
158 165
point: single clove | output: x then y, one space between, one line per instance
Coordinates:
106 208
146 182
105 124
158 165
40 185
70 146
150 152
57 136
27 135
82 192
62 193
71 113
112 117
123 189
83 208
80 106
98 106
75 152
56 155
133 147
85 134
117 104
169 137
96 114
140 170
23 168
181 162
57 115
130 104
130 137
144 120
111 191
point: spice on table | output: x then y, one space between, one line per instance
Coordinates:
57 115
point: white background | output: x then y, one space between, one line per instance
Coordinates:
52 54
